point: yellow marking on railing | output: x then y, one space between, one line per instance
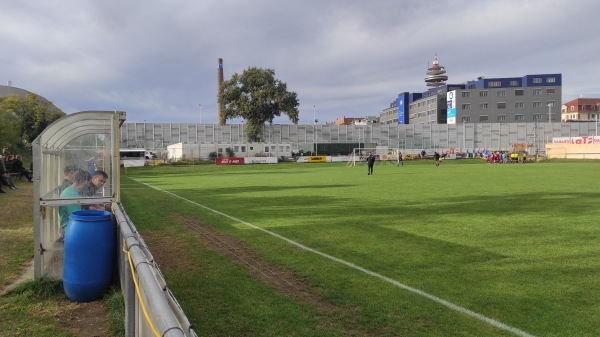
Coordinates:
137 290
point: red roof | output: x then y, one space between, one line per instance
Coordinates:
583 101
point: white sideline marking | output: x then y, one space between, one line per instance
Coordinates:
436 299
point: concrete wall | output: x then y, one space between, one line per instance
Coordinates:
490 136
573 151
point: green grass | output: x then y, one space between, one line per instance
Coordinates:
32 308
29 310
516 243
115 308
16 230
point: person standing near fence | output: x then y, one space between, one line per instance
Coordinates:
400 161
370 163
436 156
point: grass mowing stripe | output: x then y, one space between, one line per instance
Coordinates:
436 299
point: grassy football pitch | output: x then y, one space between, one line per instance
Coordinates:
465 249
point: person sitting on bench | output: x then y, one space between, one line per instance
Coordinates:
17 167
5 177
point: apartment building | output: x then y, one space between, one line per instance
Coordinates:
580 109
530 98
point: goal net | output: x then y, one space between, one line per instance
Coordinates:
382 154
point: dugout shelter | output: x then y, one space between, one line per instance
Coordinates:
84 139
89 140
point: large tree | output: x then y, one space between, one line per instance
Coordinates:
257 97
23 119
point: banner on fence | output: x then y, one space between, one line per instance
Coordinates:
230 161
261 160
317 159
576 140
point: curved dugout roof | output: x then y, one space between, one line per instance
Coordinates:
62 131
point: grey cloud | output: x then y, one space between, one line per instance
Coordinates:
158 60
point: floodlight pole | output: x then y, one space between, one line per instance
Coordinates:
315 128
550 121
200 113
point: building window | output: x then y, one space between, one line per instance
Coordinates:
466 106
519 92
501 105
466 94
550 104
501 92
519 117
483 106
519 105
483 94
537 80
572 108
537 91
501 118
243 148
551 80
494 84
550 91
466 119
537 117
483 118
515 84
537 104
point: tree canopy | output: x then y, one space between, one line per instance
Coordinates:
257 97
23 119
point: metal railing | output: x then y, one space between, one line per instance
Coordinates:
150 307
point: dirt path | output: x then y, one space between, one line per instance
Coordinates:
168 254
26 275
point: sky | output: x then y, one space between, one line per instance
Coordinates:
157 59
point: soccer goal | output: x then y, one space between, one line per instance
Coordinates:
383 154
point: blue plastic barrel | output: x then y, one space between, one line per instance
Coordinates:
88 258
